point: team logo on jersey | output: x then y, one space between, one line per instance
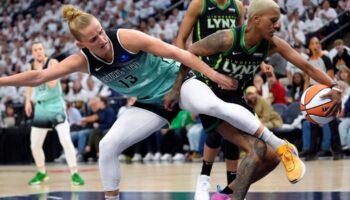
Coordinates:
221 23
240 70
123 57
59 118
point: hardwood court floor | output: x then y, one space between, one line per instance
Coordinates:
321 176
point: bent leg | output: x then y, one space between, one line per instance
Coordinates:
134 125
258 162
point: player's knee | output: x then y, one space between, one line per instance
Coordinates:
108 148
35 146
213 140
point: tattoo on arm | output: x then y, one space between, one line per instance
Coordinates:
215 43
180 76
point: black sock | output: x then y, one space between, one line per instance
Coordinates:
227 190
206 168
230 176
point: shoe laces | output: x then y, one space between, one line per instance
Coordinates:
287 158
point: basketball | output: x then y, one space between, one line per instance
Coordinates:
313 106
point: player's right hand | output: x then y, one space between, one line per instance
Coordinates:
171 99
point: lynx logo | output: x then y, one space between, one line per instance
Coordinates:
59 118
240 71
324 109
221 23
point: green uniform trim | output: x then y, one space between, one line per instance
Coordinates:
204 8
234 40
237 9
242 43
219 6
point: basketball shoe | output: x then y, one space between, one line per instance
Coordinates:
294 166
77 180
202 188
38 178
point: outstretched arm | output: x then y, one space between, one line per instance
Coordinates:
73 63
136 41
282 47
320 76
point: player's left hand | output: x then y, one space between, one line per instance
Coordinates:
171 99
335 95
225 82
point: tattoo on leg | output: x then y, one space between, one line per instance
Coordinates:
247 168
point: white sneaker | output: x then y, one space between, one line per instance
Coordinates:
202 188
166 157
157 156
148 157
136 158
179 157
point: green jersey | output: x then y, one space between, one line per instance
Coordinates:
240 62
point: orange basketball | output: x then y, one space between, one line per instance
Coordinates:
313 106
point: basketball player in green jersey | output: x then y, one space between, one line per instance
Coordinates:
133 64
241 51
49 112
203 18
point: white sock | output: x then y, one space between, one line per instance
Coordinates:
112 197
73 170
42 170
271 139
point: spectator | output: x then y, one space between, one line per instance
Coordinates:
279 65
291 68
105 117
296 30
175 137
10 116
297 88
327 13
262 87
312 23
342 58
277 89
343 6
74 117
264 110
344 126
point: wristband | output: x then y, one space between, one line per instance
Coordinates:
337 89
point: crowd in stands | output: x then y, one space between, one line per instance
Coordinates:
303 24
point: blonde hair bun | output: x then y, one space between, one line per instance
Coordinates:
69 12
